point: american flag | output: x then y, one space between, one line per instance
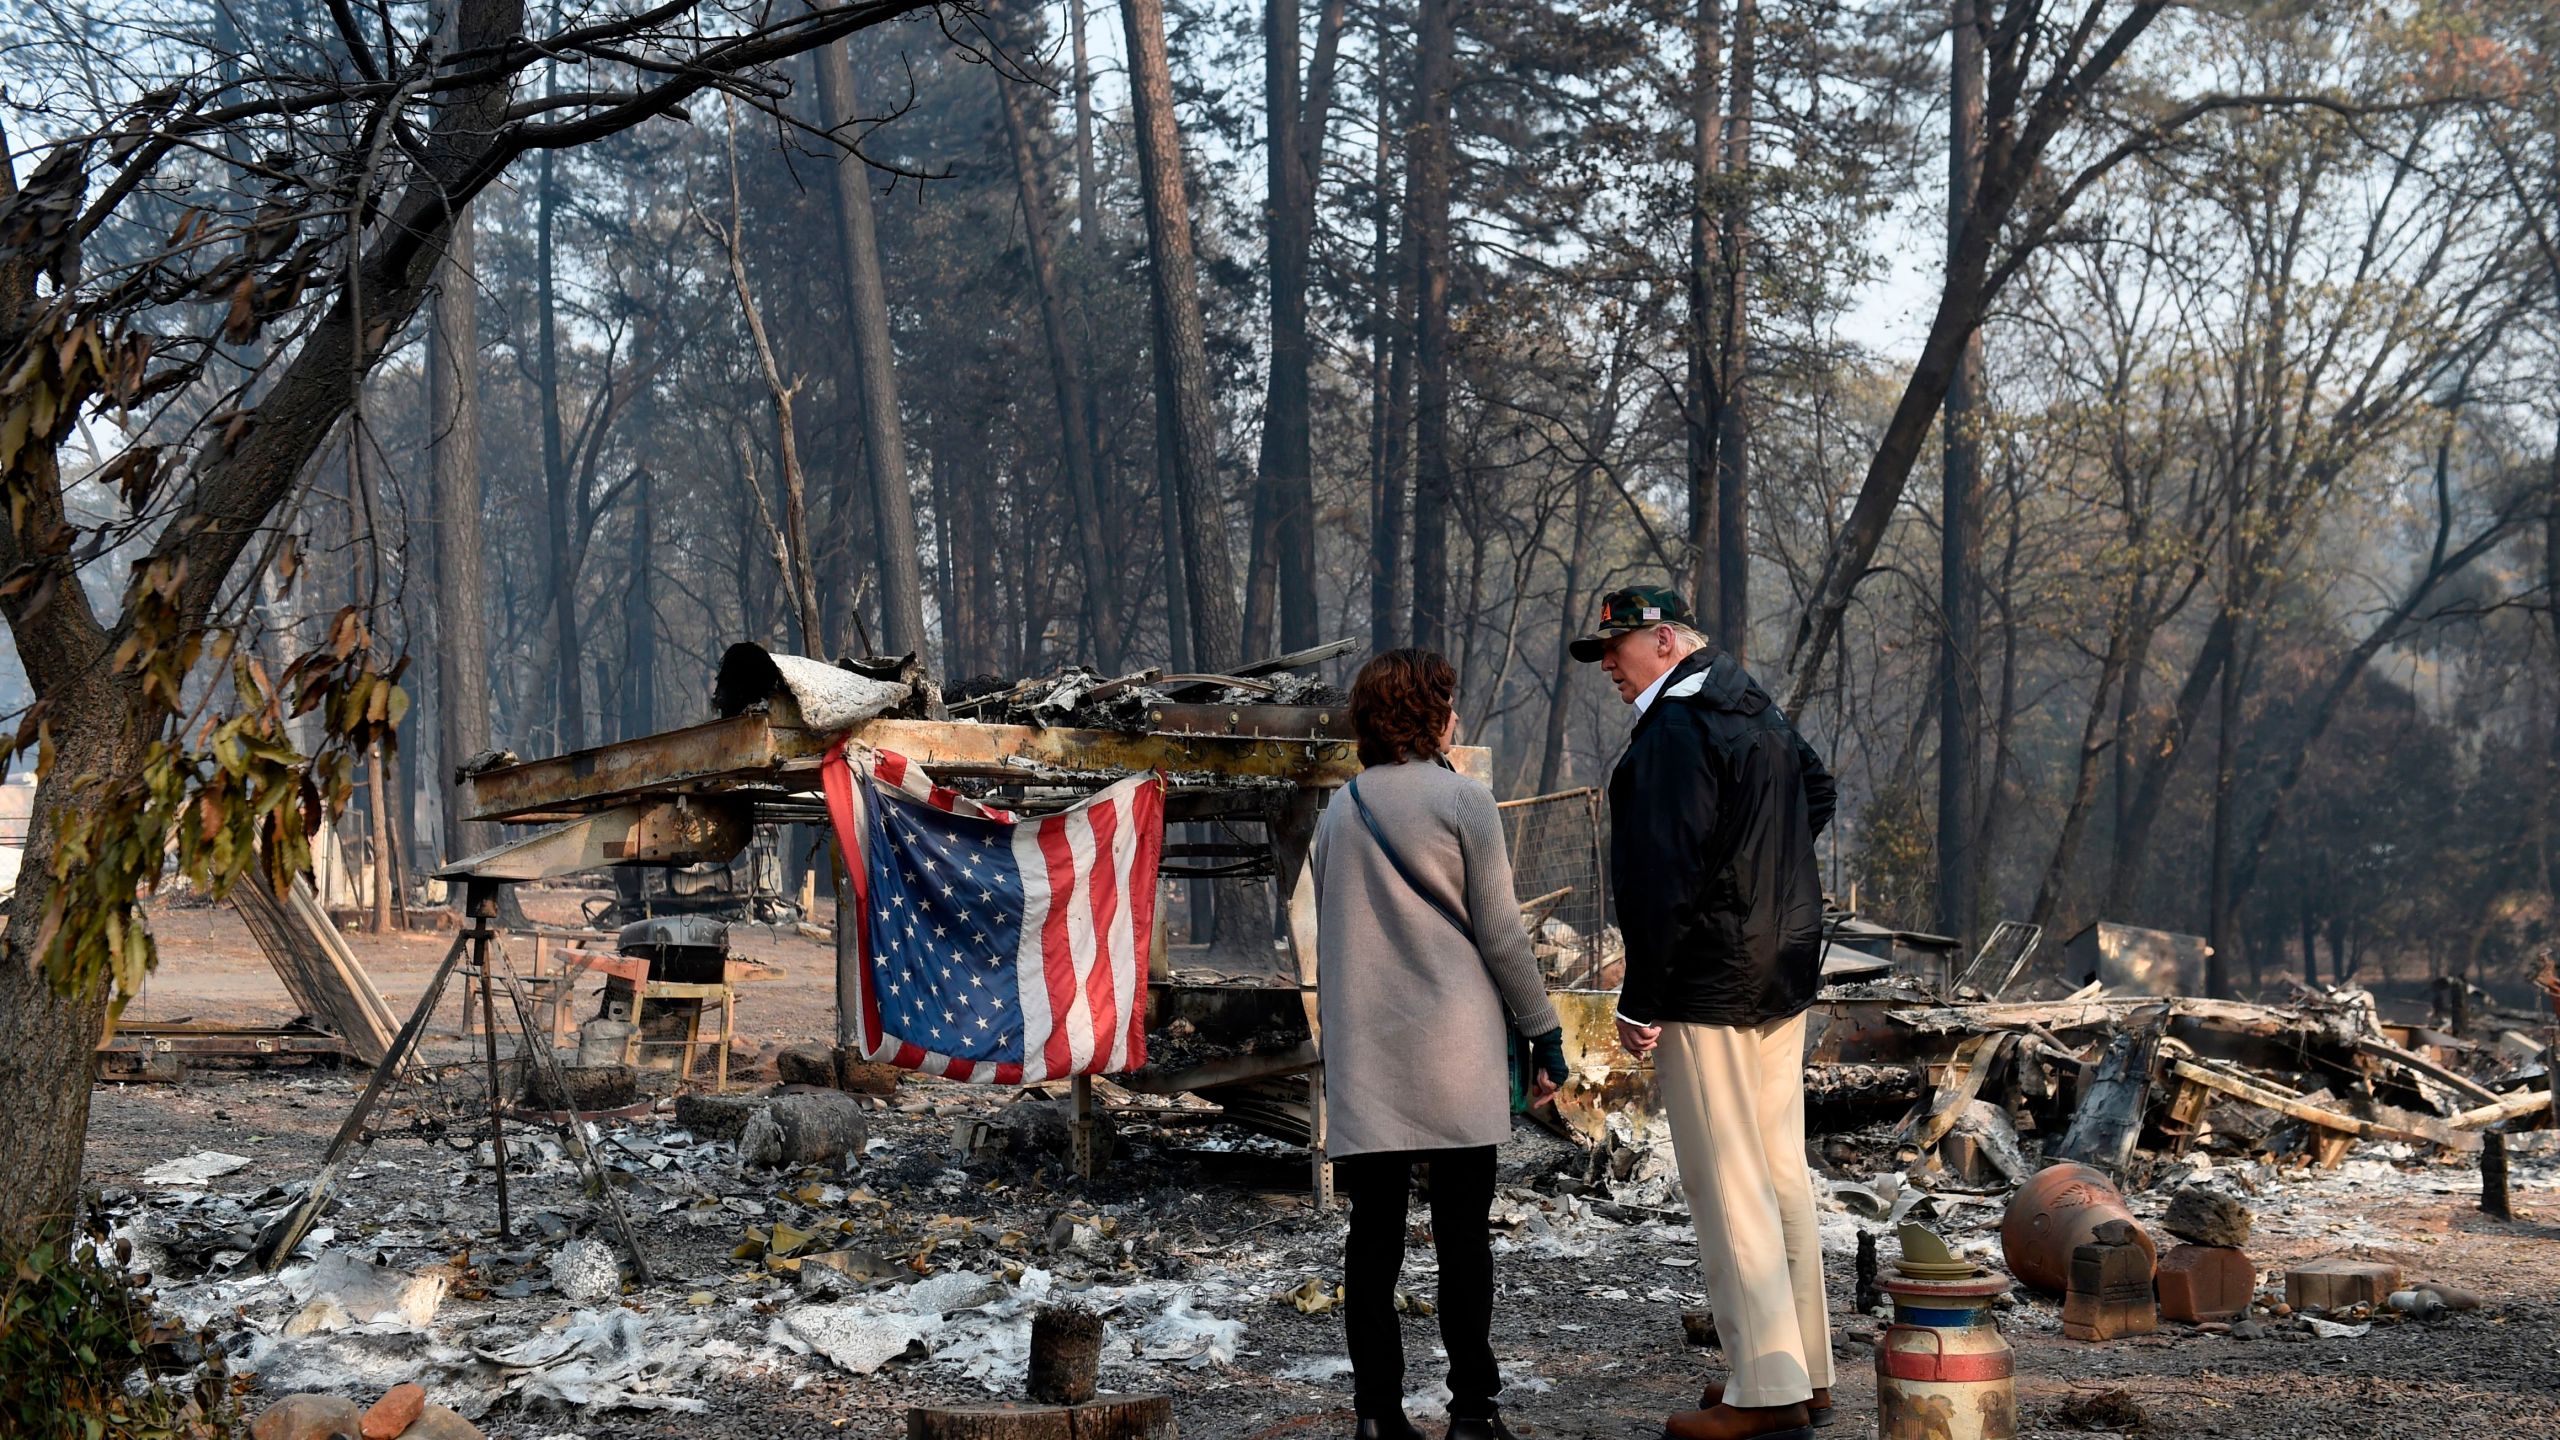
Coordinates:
994 948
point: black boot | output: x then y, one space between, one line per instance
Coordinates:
1395 1428
1488 1428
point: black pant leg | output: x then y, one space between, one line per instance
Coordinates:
1461 1228
1378 1186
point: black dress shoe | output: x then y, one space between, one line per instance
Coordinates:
1489 1428
1398 1428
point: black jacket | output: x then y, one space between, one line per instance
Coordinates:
1712 814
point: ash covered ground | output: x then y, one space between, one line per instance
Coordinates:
1213 1270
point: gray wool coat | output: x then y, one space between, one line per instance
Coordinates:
1414 1052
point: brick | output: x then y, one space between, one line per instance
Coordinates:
2336 1283
2111 1289
394 1412
2200 1283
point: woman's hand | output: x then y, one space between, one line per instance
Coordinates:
1546 1058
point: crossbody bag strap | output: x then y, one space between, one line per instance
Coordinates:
1388 849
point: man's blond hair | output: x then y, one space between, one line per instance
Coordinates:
1690 638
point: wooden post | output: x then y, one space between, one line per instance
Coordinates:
1080 1127
481 904
2493 1176
1293 837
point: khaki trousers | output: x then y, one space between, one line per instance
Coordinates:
1735 1098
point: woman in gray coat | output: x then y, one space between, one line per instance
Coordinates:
1423 957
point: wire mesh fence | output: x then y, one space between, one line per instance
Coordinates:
1556 873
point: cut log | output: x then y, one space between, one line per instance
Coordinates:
1066 1350
1105 1417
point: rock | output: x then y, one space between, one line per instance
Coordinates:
437 1423
1030 1131
393 1413
717 1117
806 1065
308 1417
866 1077
590 1087
819 1127
760 1141
2207 1217
1700 1327
586 1271
2248 1330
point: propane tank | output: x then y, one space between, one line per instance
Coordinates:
1943 1372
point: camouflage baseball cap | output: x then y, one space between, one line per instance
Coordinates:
1633 608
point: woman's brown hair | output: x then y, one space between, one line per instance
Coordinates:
1400 703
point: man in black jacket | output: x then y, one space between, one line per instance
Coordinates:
1713 813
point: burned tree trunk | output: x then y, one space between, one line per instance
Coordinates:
1703 415
462 604
1284 532
1732 600
875 380
1101 573
1216 622
556 471
1428 179
1960 523
1388 348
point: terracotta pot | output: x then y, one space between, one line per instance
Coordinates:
2056 1212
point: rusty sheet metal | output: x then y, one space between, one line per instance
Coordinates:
1603 1077
1296 722
741 749
751 749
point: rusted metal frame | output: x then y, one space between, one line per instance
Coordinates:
286 1231
750 749
1226 1070
573 1128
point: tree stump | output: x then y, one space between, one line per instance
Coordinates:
1066 1352
1105 1417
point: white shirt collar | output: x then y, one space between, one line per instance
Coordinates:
1644 701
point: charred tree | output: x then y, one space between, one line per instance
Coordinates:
1101 588
1703 416
1732 602
1960 521
895 551
1430 158
1284 544
1216 628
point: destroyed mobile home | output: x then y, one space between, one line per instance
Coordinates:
526 1233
